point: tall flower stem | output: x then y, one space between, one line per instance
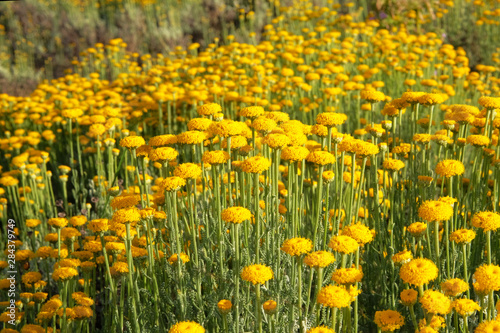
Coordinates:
256 216
258 315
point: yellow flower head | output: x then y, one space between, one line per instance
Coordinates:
187 326
321 157
418 272
343 244
488 221
257 274
435 302
236 215
488 277
346 276
256 164
462 236
319 259
224 306
187 171
454 287
433 210
297 246
408 297
132 142
334 297
389 320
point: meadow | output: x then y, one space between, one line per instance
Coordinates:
326 170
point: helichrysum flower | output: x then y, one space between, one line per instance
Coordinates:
98 225
257 274
489 102
297 246
488 277
294 153
126 215
409 297
264 125
171 184
252 112
236 215
488 221
412 97
450 168
132 142
256 164
173 258
435 302
226 128
208 109
215 157
433 211
187 171
321 158
64 273
187 326
431 99
465 307
191 137
347 275
163 140
418 272
224 306
389 320
125 201
462 236
454 287
269 306
478 140
334 297
199 124
163 154
372 96
277 141
330 119
58 222
402 257
417 229
343 244
319 259
360 232
393 164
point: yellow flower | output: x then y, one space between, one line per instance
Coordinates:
409 297
58 222
488 221
98 225
321 158
372 96
412 97
199 124
294 153
432 211
343 244
319 259
359 232
269 306
208 109
489 102
257 274
171 184
478 140
191 137
435 302
465 307
297 246
64 273
330 119
173 258
236 215
252 112
224 306
215 157
402 257
389 320
393 164
431 99
347 275
488 277
163 140
454 287
418 272
277 141
163 154
127 215
187 326
256 164
132 142
33 223
226 128
334 297
187 171
462 236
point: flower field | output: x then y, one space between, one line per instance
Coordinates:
338 175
